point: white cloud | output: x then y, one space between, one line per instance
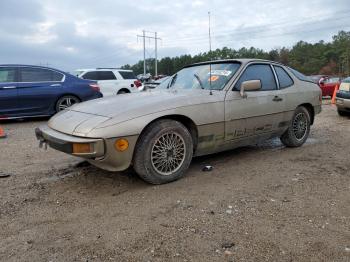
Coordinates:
70 34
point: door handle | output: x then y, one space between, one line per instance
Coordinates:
55 85
8 87
277 99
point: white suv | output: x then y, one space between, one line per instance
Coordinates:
112 81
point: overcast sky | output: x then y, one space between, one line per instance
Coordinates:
70 34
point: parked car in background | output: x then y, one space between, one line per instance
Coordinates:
316 78
343 97
144 78
112 81
204 108
155 83
27 91
326 83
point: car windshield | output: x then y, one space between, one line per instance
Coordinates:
214 76
165 83
77 72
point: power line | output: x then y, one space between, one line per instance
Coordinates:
258 29
199 41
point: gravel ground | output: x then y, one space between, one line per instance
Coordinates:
259 203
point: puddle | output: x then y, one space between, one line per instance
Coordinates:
276 144
272 144
311 141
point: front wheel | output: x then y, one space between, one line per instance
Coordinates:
299 128
164 152
66 101
342 113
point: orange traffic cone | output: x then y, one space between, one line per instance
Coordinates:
334 93
2 133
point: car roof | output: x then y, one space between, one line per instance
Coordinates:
34 66
241 60
103 68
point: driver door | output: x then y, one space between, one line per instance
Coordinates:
258 115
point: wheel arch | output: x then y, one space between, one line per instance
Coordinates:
185 120
124 89
311 110
68 94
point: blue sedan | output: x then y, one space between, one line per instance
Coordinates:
28 91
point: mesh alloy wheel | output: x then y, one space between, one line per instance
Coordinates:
168 153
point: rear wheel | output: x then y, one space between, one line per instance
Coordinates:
66 101
299 128
163 152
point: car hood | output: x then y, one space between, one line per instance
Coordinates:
81 118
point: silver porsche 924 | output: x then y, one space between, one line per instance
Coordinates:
204 108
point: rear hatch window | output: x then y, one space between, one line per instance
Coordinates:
127 74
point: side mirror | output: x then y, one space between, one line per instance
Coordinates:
250 85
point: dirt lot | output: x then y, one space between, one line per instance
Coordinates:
260 203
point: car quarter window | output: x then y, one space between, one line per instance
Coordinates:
262 72
283 78
127 74
105 75
7 74
92 75
28 74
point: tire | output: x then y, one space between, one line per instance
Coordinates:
121 92
342 113
66 101
154 153
299 128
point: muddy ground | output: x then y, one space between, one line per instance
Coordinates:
259 203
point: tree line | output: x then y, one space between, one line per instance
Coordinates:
331 58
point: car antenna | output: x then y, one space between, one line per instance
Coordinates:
210 58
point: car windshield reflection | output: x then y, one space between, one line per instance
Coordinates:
208 76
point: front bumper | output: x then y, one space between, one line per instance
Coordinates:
64 143
343 104
103 155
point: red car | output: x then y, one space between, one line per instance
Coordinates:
326 83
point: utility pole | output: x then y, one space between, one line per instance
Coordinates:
155 54
144 51
155 38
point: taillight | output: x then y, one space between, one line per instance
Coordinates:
137 83
95 87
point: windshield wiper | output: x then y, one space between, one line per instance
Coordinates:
199 80
172 81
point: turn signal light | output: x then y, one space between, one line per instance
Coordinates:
82 148
121 144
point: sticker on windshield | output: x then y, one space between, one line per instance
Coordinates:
220 72
213 78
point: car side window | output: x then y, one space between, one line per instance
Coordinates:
7 74
127 74
56 76
28 74
283 78
105 75
262 72
92 75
